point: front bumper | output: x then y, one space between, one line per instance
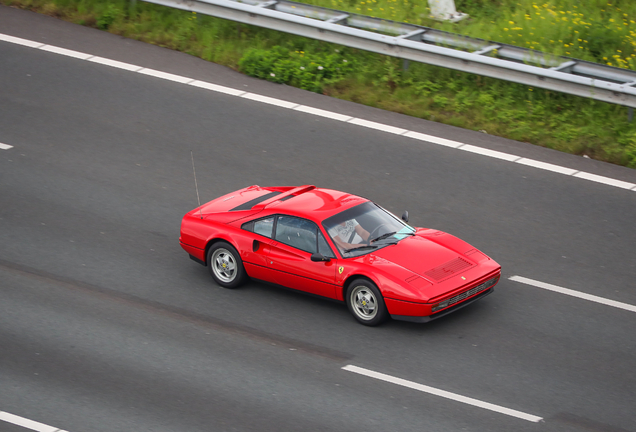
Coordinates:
423 319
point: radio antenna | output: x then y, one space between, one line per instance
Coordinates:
195 184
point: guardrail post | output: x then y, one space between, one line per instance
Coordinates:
630 114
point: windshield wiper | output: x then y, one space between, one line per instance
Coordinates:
361 247
383 236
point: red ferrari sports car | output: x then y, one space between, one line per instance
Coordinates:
339 246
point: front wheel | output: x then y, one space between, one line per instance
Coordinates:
226 266
365 302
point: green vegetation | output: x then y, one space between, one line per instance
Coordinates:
602 31
309 71
594 30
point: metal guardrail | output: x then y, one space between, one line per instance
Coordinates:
427 45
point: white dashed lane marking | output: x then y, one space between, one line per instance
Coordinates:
5 146
573 293
26 423
442 393
322 113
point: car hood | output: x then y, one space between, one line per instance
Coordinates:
425 258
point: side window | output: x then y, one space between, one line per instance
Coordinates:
323 247
297 232
263 227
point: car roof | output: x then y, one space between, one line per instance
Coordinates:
315 203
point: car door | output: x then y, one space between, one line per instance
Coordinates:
295 240
255 254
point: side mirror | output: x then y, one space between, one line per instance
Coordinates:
318 257
405 216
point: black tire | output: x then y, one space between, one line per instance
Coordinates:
226 266
365 302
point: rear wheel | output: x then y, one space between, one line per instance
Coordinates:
365 302
226 266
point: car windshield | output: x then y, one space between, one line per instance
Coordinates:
365 228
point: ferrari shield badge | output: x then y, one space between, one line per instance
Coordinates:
340 269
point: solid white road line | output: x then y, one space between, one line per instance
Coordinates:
433 139
165 75
26 423
378 126
20 41
546 166
66 52
269 100
115 63
573 293
490 153
315 111
5 146
217 88
605 180
442 393
323 113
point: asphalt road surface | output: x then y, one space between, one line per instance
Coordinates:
106 325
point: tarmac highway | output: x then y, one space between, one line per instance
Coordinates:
106 325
